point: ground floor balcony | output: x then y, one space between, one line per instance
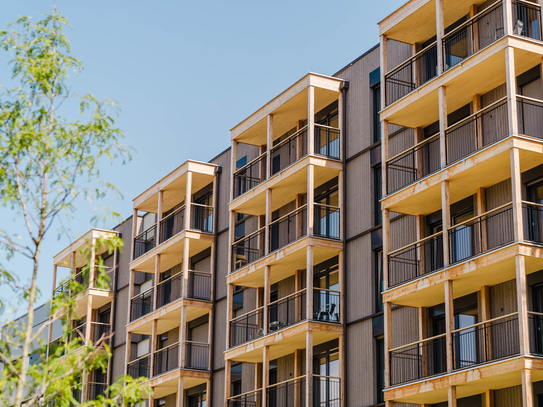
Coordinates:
326 392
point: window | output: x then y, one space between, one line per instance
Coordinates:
377 195
380 366
376 108
379 287
237 300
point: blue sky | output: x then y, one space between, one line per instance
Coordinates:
185 72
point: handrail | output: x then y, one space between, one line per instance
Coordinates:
326 127
528 3
326 206
465 119
145 292
286 381
201 205
203 273
256 232
288 296
481 215
146 230
299 209
288 138
169 279
415 243
326 289
475 17
484 322
173 213
418 342
327 377
247 313
540 314
532 203
529 98
250 163
245 394
147 355
408 61
166 348
431 138
197 343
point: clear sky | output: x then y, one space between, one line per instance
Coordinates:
185 72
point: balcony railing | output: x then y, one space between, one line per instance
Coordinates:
477 131
481 234
327 141
99 332
326 305
535 321
326 391
289 393
327 221
169 290
530 116
418 360
288 228
199 285
202 218
527 19
252 398
248 249
172 224
533 221
141 304
287 311
484 342
246 327
416 259
250 175
145 241
166 359
288 151
83 279
411 74
417 162
196 355
96 389
478 32
140 367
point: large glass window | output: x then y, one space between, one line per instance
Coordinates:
379 287
376 108
377 195
380 366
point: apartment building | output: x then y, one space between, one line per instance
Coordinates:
371 238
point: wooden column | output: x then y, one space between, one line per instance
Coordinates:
423 335
267 236
265 373
298 302
297 373
231 240
130 295
228 379
209 336
522 305
342 383
489 398
452 396
233 168
159 215
485 316
181 392
229 298
383 56
266 323
311 120
92 263
341 107
127 354
309 368
384 157
183 337
516 189
157 279
341 205
188 200
511 80
134 233
440 32
309 283
88 330
387 341
507 17
299 220
445 220
419 226
478 123
269 145
386 246
310 199
153 347
473 9
341 271
186 264
527 388
449 324
481 208
419 159
442 124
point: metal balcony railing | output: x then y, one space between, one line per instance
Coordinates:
247 327
99 332
248 249
196 355
251 398
480 234
141 304
166 359
199 285
169 290
172 224
250 175
484 342
103 280
289 393
418 360
201 218
96 389
327 141
289 151
144 242
287 311
530 116
533 221
288 228
140 367
411 74
327 221
535 321
527 19
416 259
326 305
326 391
476 33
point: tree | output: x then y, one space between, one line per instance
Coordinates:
48 164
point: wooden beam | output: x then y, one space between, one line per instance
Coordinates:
440 32
511 81
449 324
311 120
442 123
522 305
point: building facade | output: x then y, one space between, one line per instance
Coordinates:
371 238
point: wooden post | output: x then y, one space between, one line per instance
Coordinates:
442 123
265 373
134 233
229 312
452 396
419 159
157 279
231 241
481 205
180 392
298 302
233 162
527 388
419 225
524 330
341 272
445 220
228 380
511 80
88 320
449 325
422 335
266 324
474 31
440 32
159 216
489 398
267 232
386 247
310 199
183 338
485 316
342 383
340 109
128 349
516 187
341 205
263 164
153 347
384 157
311 120
299 220
309 368
297 373
188 200
478 121
383 56
309 283
507 17
186 263
269 145
387 341
92 263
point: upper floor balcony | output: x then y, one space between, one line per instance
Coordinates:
467 29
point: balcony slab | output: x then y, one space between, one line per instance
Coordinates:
167 383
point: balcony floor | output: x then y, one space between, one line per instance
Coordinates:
167 383
284 342
468 382
285 261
